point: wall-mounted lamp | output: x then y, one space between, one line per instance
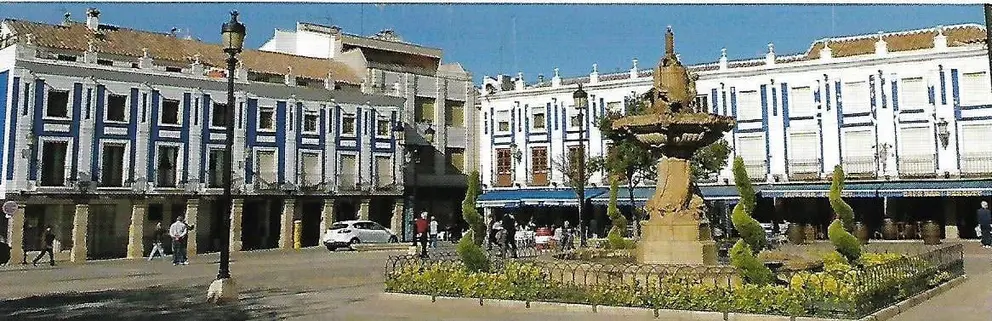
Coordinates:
515 151
942 132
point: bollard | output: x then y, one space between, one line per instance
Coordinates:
297 234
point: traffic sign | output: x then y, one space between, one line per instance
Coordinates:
9 208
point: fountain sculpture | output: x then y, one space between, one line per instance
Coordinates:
673 129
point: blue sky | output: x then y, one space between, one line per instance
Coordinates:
534 39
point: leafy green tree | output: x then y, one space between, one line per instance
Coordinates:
709 160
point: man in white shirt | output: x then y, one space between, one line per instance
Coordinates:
178 231
434 232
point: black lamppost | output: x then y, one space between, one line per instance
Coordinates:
232 39
413 150
581 103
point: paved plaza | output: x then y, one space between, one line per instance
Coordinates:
313 284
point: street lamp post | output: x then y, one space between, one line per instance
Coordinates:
413 150
581 103
232 39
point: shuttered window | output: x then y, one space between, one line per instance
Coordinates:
801 102
266 164
803 146
855 97
976 152
347 173
752 148
858 143
916 141
383 170
974 89
914 93
748 105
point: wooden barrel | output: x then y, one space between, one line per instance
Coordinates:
931 233
810 232
861 232
795 233
889 229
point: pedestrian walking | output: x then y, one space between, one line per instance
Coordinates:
179 231
422 231
494 227
509 241
49 245
567 235
985 223
434 232
157 239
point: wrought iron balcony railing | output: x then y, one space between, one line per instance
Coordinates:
859 165
804 168
917 165
756 169
976 163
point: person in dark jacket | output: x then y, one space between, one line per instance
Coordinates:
985 223
510 226
158 237
49 246
4 251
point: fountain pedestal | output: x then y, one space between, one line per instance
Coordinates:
685 242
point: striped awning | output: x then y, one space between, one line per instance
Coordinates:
642 194
534 197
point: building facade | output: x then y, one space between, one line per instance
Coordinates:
439 100
906 114
109 130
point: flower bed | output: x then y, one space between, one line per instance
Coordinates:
840 290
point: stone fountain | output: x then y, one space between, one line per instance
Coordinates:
674 129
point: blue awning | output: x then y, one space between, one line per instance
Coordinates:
817 190
534 197
956 188
642 194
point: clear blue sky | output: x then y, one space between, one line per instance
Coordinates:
533 39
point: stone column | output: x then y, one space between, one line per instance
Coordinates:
79 223
951 220
396 222
326 216
15 231
286 224
363 209
236 206
136 232
192 209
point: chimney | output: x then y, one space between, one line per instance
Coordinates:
173 32
723 59
633 70
556 80
940 40
196 67
289 78
146 61
770 56
329 81
881 47
594 75
93 19
826 53
540 78
67 19
519 84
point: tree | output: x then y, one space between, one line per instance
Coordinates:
576 168
709 160
469 248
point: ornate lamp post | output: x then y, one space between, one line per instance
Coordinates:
581 103
232 39
413 154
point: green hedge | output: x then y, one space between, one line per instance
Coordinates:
615 237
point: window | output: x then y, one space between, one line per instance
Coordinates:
53 163
504 174
215 177
266 166
266 118
539 166
348 124
856 98
112 174
503 120
748 105
801 102
173 69
384 171
914 93
859 154
382 127
974 89
58 103
752 151
539 121
454 113
574 153
218 117
614 107
346 178
424 110
170 112
166 170
575 120
310 118
310 169
116 108
455 160
66 58
703 103
104 62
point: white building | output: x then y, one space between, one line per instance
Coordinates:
436 94
109 130
907 114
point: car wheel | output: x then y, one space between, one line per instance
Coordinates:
353 242
330 247
393 239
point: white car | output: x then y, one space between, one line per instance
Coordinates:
348 233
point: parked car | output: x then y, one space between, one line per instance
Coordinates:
348 233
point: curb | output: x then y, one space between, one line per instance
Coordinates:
907 304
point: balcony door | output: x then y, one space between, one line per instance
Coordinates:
539 166
504 168
916 151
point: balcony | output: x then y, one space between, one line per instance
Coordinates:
859 166
804 169
539 179
976 164
503 180
917 165
311 183
265 180
756 169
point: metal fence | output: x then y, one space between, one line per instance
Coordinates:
852 293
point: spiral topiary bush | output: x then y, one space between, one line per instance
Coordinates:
750 268
469 211
840 229
845 243
743 254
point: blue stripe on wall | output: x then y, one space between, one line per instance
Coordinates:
930 95
4 80
881 82
184 133
281 126
11 134
955 88
153 135
77 96
715 109
132 132
785 124
733 104
826 93
101 95
774 101
205 136
723 98
764 127
840 121
895 95
943 86
39 111
251 134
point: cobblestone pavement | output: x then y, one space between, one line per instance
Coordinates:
313 284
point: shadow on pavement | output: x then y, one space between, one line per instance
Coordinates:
154 303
